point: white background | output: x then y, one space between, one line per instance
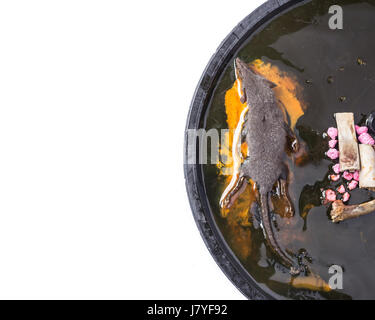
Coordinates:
94 97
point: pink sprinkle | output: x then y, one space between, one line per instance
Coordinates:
352 185
332 154
365 138
334 177
332 132
332 143
341 189
356 175
336 168
330 195
361 130
347 175
346 197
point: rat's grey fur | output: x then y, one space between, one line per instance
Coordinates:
266 136
265 130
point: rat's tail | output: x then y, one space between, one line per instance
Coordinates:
270 237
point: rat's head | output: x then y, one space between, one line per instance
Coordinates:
255 88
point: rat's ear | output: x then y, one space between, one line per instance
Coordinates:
270 83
